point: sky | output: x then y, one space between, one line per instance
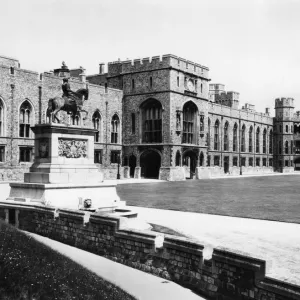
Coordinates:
251 46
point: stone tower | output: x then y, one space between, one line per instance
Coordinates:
283 134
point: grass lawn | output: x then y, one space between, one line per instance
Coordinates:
31 270
267 197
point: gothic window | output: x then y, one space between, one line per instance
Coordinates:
257 140
201 159
292 147
189 123
201 87
98 156
201 122
251 139
208 135
243 146
132 84
265 141
286 128
177 80
235 161
1 118
226 147
216 160
243 162
264 162
270 162
216 135
291 128
250 161
271 142
96 124
25 119
133 123
286 147
25 154
115 128
279 148
2 153
257 162
178 159
152 121
151 82
115 157
235 128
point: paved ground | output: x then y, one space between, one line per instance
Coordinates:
262 197
141 285
276 242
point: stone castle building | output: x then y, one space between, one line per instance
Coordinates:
157 117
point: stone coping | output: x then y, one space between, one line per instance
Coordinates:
60 185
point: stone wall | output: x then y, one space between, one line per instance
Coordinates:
224 276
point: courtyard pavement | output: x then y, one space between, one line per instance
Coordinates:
139 284
276 242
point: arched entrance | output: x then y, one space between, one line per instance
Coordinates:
132 165
226 164
150 163
297 164
190 163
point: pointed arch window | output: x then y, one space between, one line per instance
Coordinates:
1 118
178 159
208 134
251 139
216 135
265 141
226 146
243 139
257 141
115 128
152 121
235 128
271 142
189 123
96 124
286 147
25 116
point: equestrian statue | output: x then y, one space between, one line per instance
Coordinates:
70 102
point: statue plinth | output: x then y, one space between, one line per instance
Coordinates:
63 173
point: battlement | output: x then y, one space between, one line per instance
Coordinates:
9 62
284 102
157 62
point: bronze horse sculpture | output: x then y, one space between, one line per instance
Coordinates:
72 105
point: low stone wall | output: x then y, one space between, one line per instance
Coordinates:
13 173
225 276
172 173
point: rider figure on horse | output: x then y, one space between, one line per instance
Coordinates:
70 96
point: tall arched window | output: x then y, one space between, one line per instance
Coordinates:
152 121
257 140
1 118
226 146
243 139
251 139
271 142
216 135
178 159
292 147
96 124
235 129
208 134
189 123
25 119
115 128
286 147
265 141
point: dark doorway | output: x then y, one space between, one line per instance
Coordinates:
132 165
226 164
297 164
12 216
190 160
201 159
150 164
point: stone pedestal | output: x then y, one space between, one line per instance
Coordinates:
63 173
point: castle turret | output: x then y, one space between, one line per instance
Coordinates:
283 138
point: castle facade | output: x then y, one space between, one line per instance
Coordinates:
158 117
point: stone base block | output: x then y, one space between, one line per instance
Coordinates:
172 173
69 195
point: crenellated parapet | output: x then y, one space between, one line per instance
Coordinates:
284 102
157 62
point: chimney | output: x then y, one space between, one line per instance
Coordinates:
101 68
267 111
